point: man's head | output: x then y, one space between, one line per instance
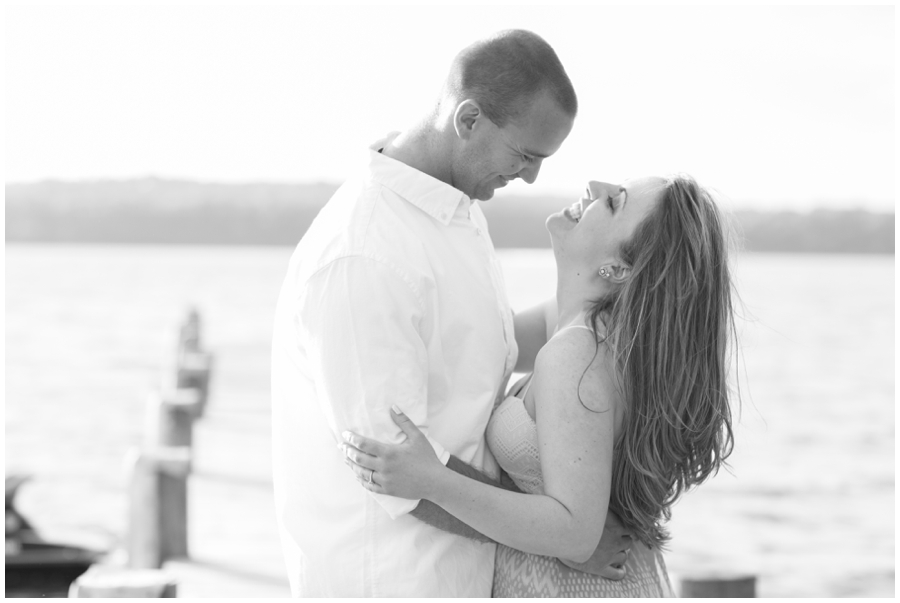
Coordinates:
512 106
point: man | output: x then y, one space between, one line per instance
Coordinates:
394 295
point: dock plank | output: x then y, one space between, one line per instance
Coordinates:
233 543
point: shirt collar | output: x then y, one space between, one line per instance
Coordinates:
437 199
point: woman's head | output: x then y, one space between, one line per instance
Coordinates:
589 236
669 320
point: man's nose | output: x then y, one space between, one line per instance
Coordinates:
530 172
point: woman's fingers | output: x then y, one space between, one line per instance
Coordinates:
362 443
361 473
366 478
365 475
402 421
358 457
614 573
619 559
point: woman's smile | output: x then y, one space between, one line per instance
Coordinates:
574 212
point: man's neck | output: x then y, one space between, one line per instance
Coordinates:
421 148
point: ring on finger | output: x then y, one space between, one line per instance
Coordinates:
371 475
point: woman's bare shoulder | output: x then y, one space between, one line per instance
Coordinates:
574 366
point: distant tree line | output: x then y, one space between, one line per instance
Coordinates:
154 211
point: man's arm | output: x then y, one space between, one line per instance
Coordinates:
359 319
534 327
435 516
615 536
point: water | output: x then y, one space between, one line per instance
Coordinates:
808 505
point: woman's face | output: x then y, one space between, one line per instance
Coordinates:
591 231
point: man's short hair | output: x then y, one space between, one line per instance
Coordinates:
506 71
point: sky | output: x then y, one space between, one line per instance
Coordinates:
786 107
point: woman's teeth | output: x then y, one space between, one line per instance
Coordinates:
575 212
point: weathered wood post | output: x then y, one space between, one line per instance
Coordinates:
193 364
189 332
158 522
175 413
144 518
170 419
193 371
719 586
152 536
173 495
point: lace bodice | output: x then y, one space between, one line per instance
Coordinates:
512 437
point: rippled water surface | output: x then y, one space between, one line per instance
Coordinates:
808 506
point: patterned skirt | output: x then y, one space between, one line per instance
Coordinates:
518 574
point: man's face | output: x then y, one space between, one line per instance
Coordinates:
492 156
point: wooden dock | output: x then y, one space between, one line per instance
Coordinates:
233 548
201 506
233 544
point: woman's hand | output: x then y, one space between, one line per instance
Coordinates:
407 470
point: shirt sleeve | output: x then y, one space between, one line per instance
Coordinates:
361 320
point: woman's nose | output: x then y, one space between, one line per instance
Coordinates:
596 189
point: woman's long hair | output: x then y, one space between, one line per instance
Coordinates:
669 327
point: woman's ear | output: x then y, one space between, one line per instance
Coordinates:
466 117
615 273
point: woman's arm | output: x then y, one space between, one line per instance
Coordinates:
576 458
607 560
437 517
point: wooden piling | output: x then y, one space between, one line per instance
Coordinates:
193 371
719 586
158 505
173 495
189 332
158 516
175 412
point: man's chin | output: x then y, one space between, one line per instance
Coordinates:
485 195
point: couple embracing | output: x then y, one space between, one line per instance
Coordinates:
402 464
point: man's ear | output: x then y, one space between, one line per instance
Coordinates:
466 118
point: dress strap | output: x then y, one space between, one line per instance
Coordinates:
579 326
576 326
523 384
524 391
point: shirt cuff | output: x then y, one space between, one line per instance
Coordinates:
396 507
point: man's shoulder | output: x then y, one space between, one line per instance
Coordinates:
363 221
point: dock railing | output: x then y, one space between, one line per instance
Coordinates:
158 478
158 521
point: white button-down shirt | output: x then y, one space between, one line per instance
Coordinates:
394 295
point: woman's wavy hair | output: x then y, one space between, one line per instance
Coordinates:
669 326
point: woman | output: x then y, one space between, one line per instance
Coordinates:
627 406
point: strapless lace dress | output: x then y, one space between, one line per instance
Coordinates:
512 436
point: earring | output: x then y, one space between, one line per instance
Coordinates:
604 272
